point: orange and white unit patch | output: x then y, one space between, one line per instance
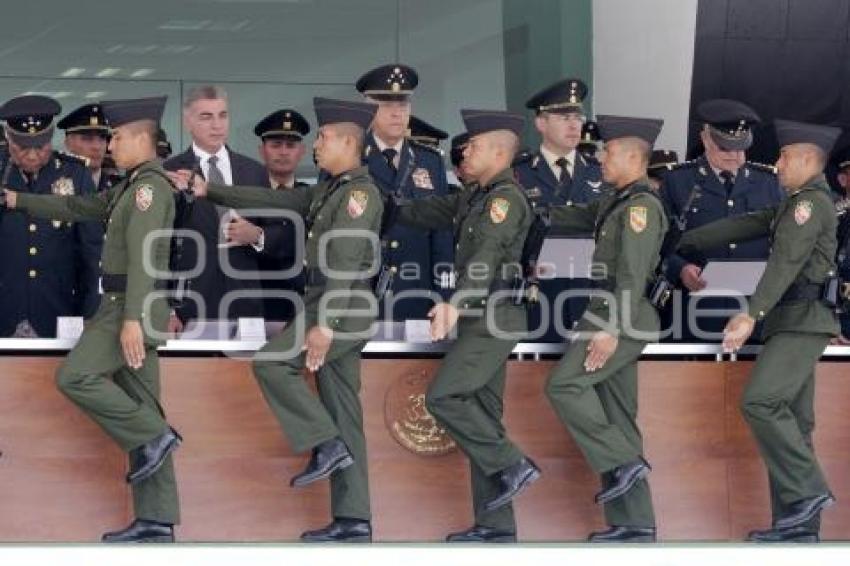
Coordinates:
499 210
637 218
357 203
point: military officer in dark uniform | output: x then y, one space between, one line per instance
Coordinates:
416 258
281 136
50 266
594 388
113 371
556 174
86 136
491 218
718 184
335 316
424 133
778 401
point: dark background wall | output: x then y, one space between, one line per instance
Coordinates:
785 58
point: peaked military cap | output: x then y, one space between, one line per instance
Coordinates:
85 119
483 121
163 146
333 111
284 123
29 119
841 155
662 159
388 82
565 96
613 127
423 132
730 122
120 112
459 142
790 132
589 136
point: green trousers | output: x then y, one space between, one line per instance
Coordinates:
465 397
778 406
600 411
123 401
308 420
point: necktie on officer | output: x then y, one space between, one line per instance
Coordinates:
728 181
390 154
564 164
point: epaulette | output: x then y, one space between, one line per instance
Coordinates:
764 167
71 158
427 147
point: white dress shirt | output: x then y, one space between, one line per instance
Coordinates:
551 158
223 163
397 147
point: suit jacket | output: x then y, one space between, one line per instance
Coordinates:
213 283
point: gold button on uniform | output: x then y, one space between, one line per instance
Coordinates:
732 246
33 250
33 227
33 273
394 244
730 203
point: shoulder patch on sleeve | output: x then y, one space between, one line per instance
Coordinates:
358 200
802 212
499 208
638 218
144 197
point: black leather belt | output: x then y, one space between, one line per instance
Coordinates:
117 283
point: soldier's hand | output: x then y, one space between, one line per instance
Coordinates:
180 178
175 325
240 231
133 343
10 198
600 348
443 319
317 343
691 276
737 331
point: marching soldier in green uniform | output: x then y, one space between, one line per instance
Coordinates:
113 372
594 388
799 321
342 219
490 217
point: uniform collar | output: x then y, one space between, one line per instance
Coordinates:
381 145
815 183
507 175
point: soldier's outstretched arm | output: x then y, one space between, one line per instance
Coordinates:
432 213
70 208
259 197
574 218
732 229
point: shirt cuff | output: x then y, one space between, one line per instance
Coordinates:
260 244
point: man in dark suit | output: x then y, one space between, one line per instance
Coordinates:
207 119
418 259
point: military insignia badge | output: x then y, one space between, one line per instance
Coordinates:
534 192
422 179
802 212
144 197
357 202
408 420
63 186
499 210
637 218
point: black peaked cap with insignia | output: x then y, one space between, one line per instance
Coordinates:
662 159
423 132
88 118
790 132
730 123
459 143
29 119
483 121
120 112
388 82
284 123
565 96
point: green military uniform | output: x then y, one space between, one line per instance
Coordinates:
347 202
600 408
122 400
490 225
778 399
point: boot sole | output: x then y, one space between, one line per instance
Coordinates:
506 539
638 539
529 479
156 539
641 474
175 444
341 464
349 540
